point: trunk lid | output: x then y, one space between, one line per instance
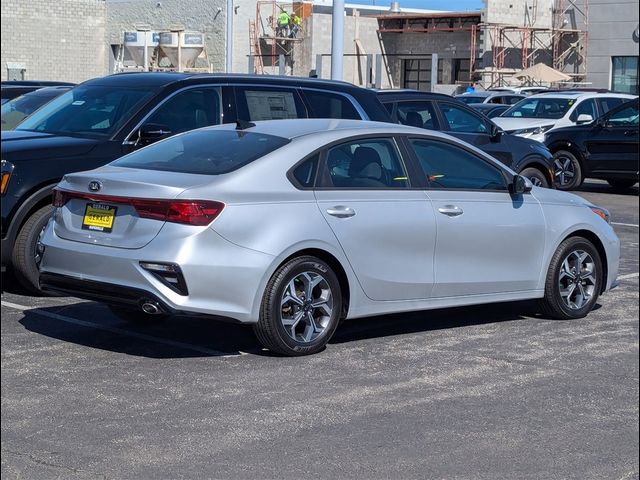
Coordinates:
100 205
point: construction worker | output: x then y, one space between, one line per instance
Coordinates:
283 24
296 23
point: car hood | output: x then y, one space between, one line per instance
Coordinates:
509 124
24 145
557 197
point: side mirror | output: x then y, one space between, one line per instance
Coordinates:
151 132
496 133
520 185
584 118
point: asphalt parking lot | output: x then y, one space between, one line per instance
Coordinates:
491 392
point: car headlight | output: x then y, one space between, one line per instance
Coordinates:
603 213
533 130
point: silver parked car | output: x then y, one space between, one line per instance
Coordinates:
292 225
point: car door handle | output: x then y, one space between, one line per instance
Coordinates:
450 210
341 211
630 133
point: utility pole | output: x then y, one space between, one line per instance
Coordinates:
229 35
337 39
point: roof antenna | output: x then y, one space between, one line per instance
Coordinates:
243 124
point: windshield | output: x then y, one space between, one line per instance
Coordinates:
471 99
206 151
16 110
540 108
92 110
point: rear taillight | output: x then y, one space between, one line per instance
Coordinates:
188 212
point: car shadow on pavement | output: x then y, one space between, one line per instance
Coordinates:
431 320
92 325
602 187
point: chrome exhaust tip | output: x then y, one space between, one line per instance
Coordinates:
151 308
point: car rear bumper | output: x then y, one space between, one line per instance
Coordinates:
223 279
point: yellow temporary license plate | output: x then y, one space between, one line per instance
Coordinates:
99 217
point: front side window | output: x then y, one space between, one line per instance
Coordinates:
627 116
330 105
91 110
417 114
586 107
188 110
447 166
206 152
624 75
368 163
460 120
542 107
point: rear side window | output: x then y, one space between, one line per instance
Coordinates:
305 173
449 167
330 105
207 152
609 103
259 103
367 163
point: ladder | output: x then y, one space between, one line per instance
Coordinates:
254 47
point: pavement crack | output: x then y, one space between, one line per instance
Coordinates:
45 463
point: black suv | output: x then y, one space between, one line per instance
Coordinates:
606 149
435 111
105 118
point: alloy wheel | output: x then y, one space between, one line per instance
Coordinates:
577 279
564 170
306 306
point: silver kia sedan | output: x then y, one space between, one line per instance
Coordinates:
293 225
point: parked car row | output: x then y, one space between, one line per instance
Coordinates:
290 204
103 119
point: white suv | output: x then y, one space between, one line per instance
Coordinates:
537 114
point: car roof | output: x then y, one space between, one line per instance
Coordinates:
579 95
161 79
34 83
398 94
296 128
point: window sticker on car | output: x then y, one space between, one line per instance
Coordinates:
265 105
78 102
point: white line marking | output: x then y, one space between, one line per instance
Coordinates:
121 331
625 224
628 276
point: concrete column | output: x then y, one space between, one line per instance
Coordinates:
337 41
229 36
434 70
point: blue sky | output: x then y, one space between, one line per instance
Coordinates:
455 5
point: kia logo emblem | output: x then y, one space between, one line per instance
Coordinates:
94 186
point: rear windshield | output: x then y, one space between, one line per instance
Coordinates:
206 152
471 99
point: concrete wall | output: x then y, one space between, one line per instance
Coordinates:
197 15
54 39
612 32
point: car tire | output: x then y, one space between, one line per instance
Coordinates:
567 170
536 176
573 281
301 308
25 258
621 183
133 315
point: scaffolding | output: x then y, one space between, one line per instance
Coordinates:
516 47
268 46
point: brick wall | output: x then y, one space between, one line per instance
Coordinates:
54 39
